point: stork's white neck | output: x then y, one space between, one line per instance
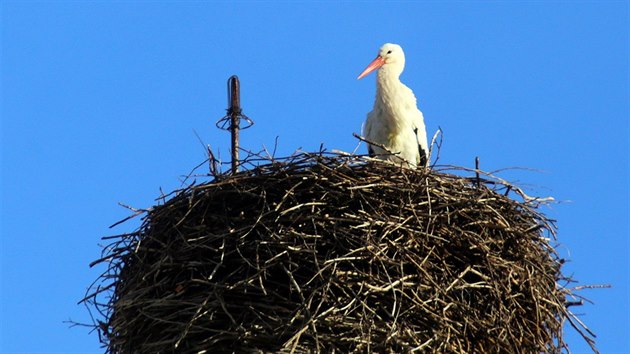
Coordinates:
390 71
388 83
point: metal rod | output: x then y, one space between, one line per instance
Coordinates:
234 112
235 120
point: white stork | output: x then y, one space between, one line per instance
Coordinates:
395 122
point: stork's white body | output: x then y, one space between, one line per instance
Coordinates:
395 122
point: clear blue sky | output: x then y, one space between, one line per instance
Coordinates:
101 101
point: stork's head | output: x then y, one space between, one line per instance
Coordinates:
391 57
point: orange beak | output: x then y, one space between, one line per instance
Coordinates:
375 64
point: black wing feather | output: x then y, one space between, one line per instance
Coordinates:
423 154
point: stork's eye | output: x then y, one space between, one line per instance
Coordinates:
389 52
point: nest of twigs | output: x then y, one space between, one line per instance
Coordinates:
323 253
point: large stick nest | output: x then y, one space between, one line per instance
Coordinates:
326 253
